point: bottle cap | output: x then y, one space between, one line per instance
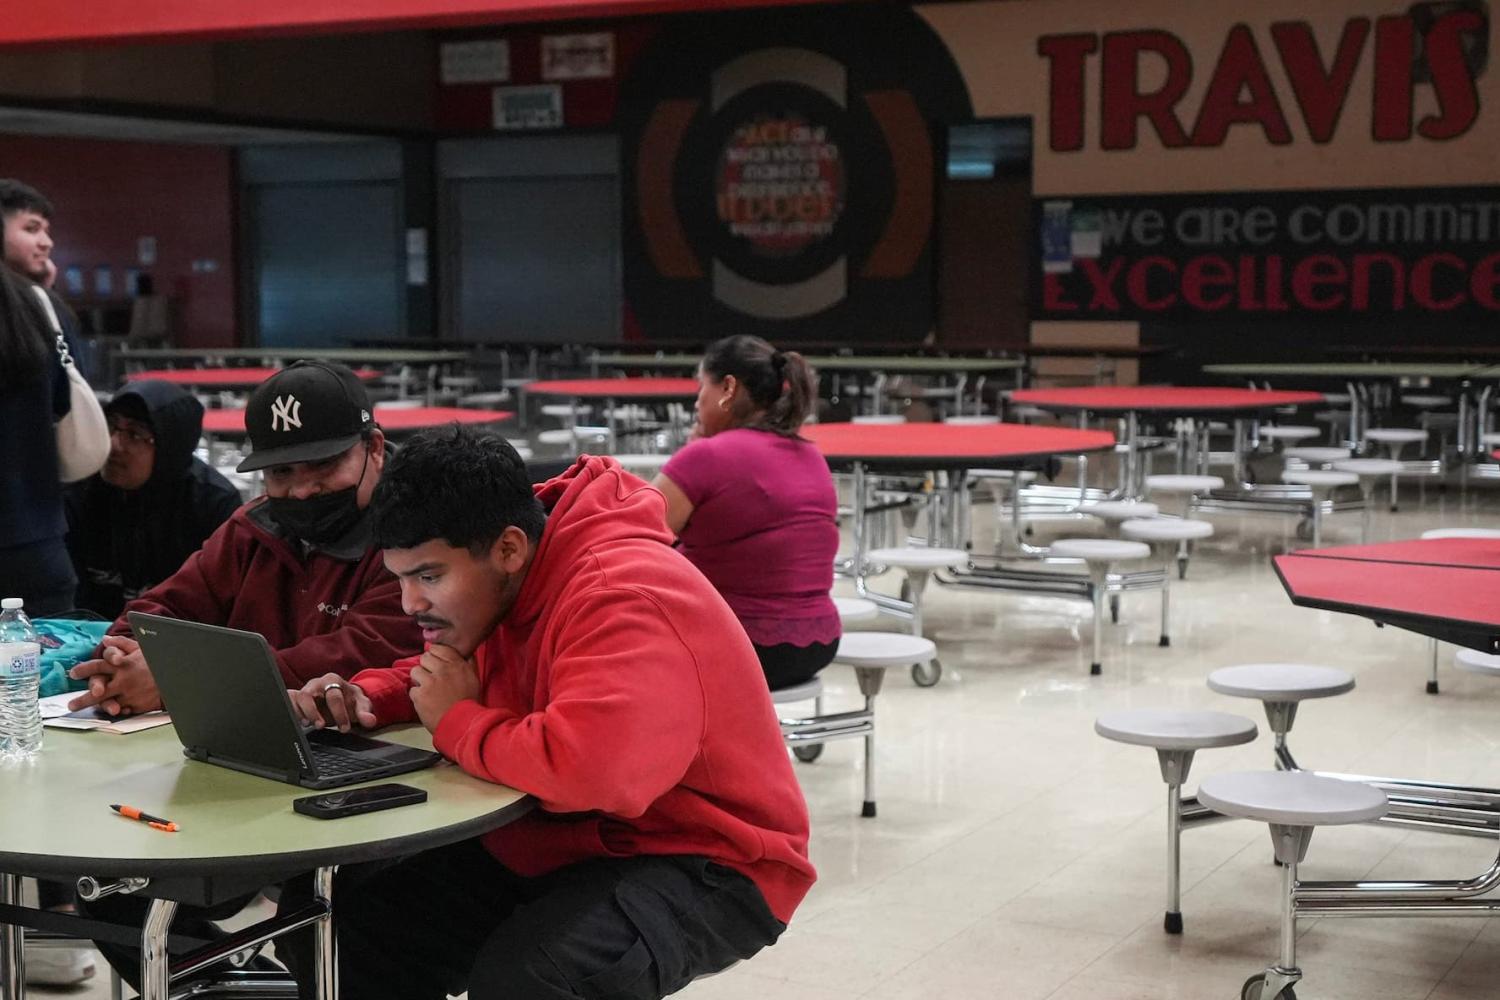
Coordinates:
11 603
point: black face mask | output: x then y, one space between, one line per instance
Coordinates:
323 519
320 519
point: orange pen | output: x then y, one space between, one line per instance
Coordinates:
155 822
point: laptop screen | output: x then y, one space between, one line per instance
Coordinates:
224 692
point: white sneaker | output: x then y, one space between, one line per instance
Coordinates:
58 966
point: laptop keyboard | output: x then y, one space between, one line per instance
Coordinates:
332 763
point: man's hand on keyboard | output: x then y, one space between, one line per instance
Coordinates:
332 701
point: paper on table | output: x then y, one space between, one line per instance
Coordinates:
55 714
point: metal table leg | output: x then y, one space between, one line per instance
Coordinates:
326 972
156 972
12 938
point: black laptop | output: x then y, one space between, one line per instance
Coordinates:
229 705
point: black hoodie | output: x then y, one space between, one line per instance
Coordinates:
123 542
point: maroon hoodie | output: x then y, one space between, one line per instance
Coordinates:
622 692
335 609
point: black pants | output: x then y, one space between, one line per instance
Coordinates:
455 919
787 665
41 574
130 911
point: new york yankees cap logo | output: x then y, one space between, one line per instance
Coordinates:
305 413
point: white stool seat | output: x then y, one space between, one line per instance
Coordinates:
1315 454
1289 433
1368 466
918 557
1425 402
1315 477
797 692
1098 549
1337 398
642 463
1396 435
855 609
563 410
880 418
1280 681
972 420
1165 529
883 649
1292 798
1166 729
560 436
1183 484
1462 533
483 400
1475 662
1019 475
1120 510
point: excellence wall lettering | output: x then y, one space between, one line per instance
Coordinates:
1368 253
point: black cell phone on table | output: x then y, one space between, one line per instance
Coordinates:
332 805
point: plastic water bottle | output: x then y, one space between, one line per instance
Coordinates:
20 679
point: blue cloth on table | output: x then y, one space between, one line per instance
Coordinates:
65 643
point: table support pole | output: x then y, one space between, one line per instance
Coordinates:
858 530
1239 454
12 937
156 972
326 974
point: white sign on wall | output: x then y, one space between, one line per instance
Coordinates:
485 61
578 57
528 107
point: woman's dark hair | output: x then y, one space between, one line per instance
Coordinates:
781 387
24 346
454 484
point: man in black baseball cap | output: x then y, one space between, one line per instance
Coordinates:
299 566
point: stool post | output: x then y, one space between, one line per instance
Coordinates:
12 939
1432 680
326 971
1166 591
156 972
917 580
1174 770
870 680
1100 576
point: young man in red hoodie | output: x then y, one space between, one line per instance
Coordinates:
574 655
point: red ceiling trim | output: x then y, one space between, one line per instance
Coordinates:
132 21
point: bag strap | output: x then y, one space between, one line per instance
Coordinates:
64 356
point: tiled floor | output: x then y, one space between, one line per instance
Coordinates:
1019 856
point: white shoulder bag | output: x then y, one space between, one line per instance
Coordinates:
83 434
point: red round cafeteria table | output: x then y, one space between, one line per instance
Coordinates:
946 446
1446 588
640 390
616 388
1130 401
223 378
1161 399
232 422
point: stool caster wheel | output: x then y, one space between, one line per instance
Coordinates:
808 754
1114 609
1182 569
926 674
1255 989
1432 687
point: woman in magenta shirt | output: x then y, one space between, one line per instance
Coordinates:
754 504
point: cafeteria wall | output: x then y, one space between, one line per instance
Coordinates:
1265 180
109 195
